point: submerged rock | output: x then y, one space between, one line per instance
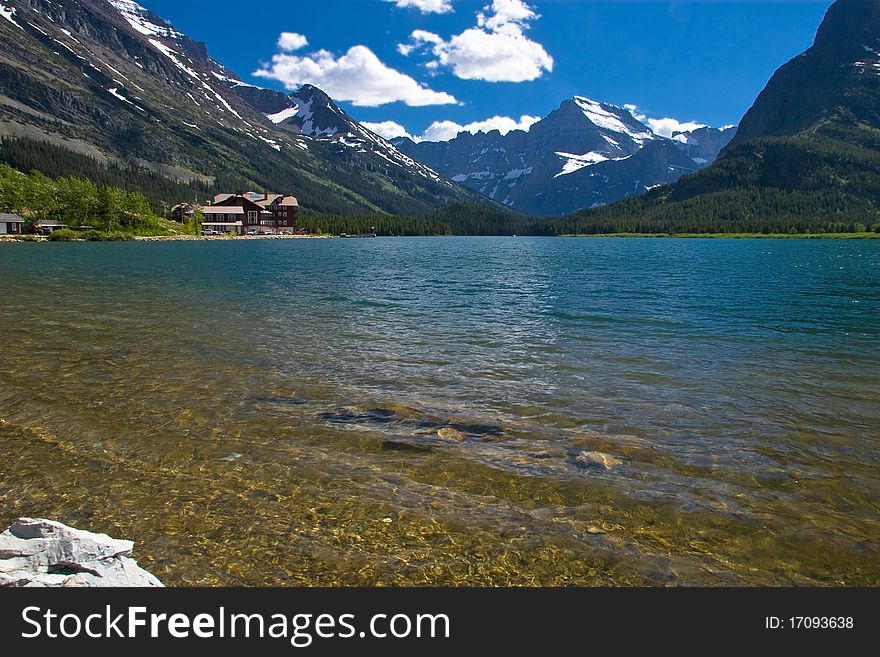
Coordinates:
597 460
448 433
398 446
44 553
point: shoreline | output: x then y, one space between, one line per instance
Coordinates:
221 238
34 239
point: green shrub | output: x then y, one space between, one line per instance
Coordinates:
65 235
101 236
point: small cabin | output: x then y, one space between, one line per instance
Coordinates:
183 212
10 224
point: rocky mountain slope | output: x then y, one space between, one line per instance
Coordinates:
113 82
584 154
806 156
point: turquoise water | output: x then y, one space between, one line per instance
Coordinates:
382 388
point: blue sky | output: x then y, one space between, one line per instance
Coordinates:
446 63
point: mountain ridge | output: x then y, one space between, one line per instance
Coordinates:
806 156
111 79
577 156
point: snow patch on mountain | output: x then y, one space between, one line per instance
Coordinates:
225 104
573 162
517 173
136 16
272 143
607 120
283 115
173 55
232 82
114 91
9 13
70 35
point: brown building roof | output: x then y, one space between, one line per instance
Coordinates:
223 209
262 200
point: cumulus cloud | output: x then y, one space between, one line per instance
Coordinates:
291 41
358 76
446 130
387 129
505 12
665 127
496 50
425 6
668 127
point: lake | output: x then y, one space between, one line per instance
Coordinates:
451 411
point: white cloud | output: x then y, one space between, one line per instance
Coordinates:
387 129
425 6
665 127
291 41
505 12
496 50
446 130
357 76
634 110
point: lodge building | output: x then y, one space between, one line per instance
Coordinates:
250 213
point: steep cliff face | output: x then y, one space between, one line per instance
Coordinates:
110 79
806 154
836 80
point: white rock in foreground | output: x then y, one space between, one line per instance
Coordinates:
44 553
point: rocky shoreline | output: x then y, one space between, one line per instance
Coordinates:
223 238
175 238
45 553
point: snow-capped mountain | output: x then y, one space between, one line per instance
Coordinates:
806 157
585 153
110 79
312 113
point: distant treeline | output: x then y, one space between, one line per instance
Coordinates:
457 219
818 183
29 155
771 186
351 192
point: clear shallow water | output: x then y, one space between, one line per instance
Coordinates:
411 411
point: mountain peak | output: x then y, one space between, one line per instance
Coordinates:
611 118
834 80
143 20
584 153
846 20
313 93
139 92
